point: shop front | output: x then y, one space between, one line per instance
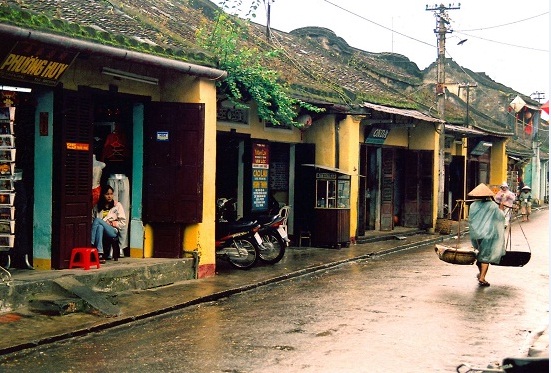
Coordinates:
397 170
331 225
256 164
134 121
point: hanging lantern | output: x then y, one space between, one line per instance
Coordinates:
304 121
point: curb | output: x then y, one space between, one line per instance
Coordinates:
119 321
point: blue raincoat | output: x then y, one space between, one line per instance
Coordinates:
486 229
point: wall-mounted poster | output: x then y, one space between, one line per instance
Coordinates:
261 166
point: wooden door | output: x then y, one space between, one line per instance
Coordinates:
305 192
362 202
426 191
173 172
456 182
387 189
71 194
173 163
411 192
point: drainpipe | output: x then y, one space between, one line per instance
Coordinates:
112 52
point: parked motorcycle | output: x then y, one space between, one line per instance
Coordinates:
236 241
274 238
274 241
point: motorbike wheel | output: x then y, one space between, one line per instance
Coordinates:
272 249
242 254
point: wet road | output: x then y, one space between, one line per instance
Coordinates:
403 312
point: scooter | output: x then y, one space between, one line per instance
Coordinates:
236 241
512 365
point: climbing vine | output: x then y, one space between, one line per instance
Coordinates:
249 78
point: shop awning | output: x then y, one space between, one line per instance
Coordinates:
410 113
332 169
463 131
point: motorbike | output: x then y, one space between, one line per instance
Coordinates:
274 238
512 365
236 241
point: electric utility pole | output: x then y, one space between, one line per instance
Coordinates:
442 28
268 4
540 96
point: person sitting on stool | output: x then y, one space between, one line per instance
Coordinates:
108 219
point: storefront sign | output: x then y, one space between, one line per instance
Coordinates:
260 172
36 63
78 146
376 135
326 175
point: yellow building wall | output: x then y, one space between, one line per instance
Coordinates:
397 137
82 74
423 137
257 130
322 133
498 166
349 159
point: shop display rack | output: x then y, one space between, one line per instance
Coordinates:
8 175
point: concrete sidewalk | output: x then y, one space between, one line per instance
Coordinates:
23 329
122 284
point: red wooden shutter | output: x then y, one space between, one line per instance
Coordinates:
426 191
411 202
387 190
72 182
173 163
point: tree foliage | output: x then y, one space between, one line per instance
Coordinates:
249 78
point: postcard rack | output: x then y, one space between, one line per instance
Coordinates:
8 175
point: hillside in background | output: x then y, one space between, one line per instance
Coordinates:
318 65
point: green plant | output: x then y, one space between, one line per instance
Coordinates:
249 78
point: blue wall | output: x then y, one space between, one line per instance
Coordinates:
43 180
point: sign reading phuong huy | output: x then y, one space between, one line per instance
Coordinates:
260 170
36 63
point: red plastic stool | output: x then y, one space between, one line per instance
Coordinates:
87 256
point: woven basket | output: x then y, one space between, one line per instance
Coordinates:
444 226
515 258
452 255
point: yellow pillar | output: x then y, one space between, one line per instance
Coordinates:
498 165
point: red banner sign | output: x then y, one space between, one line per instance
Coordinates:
36 63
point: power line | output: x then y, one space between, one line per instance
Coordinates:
502 43
506 24
378 24
459 32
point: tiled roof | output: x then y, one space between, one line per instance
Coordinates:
318 65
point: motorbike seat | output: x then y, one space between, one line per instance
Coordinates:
243 224
267 219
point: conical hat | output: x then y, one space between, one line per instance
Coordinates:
481 190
